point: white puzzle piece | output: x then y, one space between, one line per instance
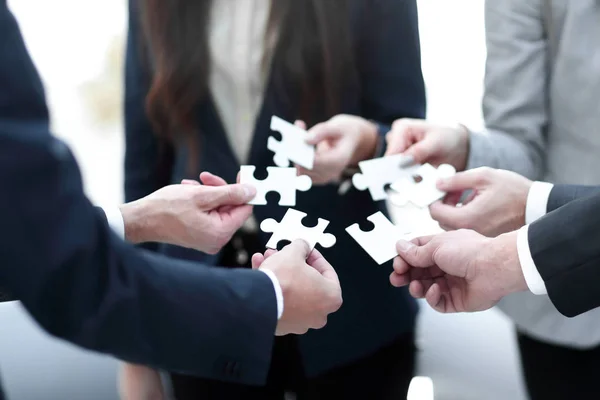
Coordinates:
292 147
284 181
425 192
377 173
291 228
380 243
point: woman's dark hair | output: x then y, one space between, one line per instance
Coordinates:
313 58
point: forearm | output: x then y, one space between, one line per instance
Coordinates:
564 247
564 194
500 150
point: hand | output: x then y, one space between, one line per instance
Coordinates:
341 142
429 143
496 205
201 217
137 382
311 289
460 271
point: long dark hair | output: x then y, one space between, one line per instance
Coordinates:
313 58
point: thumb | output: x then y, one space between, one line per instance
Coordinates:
448 215
467 180
419 254
229 195
321 132
424 150
298 249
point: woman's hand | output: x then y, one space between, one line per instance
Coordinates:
429 143
341 142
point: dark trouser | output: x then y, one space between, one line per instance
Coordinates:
384 375
380 376
559 373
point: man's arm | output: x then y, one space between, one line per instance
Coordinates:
545 197
565 247
82 283
514 101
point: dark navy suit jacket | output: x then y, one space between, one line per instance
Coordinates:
391 86
83 284
565 246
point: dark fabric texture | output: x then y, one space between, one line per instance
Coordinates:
565 247
559 373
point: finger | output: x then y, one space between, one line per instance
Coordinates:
269 253
321 132
257 260
300 124
298 248
418 253
435 299
424 150
416 289
189 182
228 195
453 198
450 216
318 262
467 180
234 217
400 266
399 280
209 179
470 197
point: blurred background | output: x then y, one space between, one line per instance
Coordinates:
77 46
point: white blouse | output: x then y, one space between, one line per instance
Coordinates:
238 74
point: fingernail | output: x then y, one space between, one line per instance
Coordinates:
403 246
249 190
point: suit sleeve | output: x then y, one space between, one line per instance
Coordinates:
515 95
390 62
563 194
85 285
565 246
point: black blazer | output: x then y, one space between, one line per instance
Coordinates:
565 246
85 285
374 313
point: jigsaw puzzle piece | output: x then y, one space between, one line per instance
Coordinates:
292 147
379 243
284 181
291 228
425 192
377 173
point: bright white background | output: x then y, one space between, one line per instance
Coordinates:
469 357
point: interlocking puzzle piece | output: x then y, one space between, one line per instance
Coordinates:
284 181
425 192
292 147
380 243
377 173
291 228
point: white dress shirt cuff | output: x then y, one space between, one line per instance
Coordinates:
537 201
278 291
534 280
115 220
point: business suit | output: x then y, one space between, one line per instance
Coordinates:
541 117
374 314
83 284
572 276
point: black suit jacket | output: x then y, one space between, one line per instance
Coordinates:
391 87
565 246
83 284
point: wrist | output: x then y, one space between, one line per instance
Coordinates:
367 143
462 156
137 222
509 273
